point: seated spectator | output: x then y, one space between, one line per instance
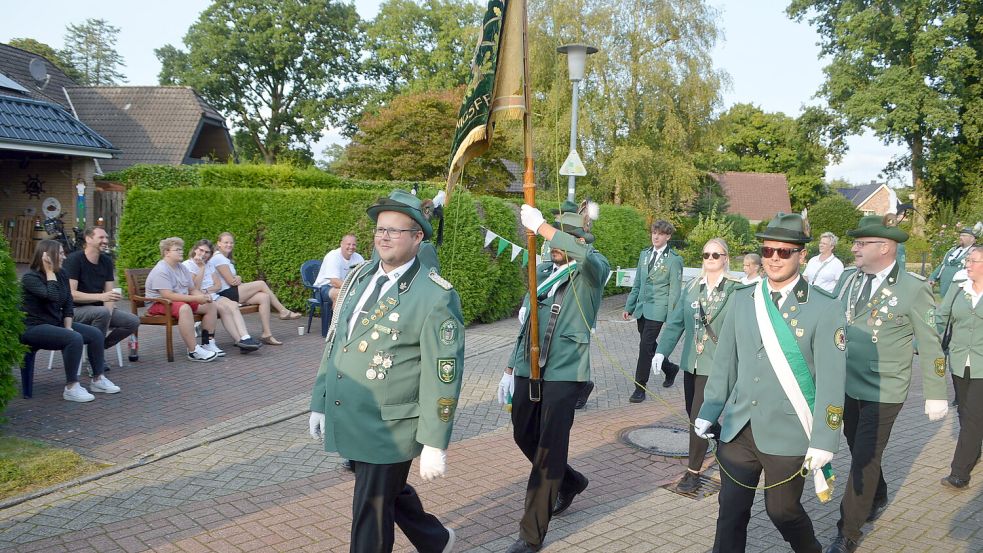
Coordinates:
228 310
752 268
92 278
256 292
171 280
335 267
824 270
49 323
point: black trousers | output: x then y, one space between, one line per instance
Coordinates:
383 498
693 387
648 340
867 426
69 342
969 393
542 432
743 461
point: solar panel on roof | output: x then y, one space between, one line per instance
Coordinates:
10 84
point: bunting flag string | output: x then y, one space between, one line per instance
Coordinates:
504 244
515 251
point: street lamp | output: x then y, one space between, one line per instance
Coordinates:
576 60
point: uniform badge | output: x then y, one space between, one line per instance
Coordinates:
834 417
930 316
374 335
394 317
893 302
800 332
794 323
839 338
940 366
445 408
446 370
800 294
362 346
441 281
448 332
695 305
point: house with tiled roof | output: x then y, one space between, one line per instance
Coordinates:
871 199
756 196
161 125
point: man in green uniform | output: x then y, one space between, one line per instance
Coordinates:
568 298
777 385
389 381
886 308
655 293
953 261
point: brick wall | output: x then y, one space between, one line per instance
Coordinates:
877 204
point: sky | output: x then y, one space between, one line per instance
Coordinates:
772 61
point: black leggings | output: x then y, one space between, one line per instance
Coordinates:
69 342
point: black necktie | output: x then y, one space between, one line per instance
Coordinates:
775 297
865 291
380 281
655 255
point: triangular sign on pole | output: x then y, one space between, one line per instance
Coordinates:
573 166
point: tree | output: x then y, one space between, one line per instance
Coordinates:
894 68
298 155
48 53
753 140
91 49
279 69
409 139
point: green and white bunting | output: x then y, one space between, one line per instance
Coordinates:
514 249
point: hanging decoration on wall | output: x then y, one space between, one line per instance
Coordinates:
503 244
34 186
80 204
51 208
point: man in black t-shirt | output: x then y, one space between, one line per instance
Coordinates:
92 278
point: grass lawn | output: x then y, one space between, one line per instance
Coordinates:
28 465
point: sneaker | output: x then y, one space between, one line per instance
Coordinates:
451 538
202 355
212 347
77 393
104 385
249 344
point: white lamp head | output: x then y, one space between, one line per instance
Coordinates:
576 59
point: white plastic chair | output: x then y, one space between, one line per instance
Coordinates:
85 350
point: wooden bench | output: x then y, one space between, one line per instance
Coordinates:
136 286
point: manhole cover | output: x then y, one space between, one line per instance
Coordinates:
667 441
708 486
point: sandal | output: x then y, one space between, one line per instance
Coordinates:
270 340
290 316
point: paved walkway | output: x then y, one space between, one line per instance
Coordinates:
216 457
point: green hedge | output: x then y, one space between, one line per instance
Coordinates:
11 326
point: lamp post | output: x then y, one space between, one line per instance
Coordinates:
576 60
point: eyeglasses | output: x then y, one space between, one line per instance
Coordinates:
715 255
176 250
862 243
783 253
973 261
393 232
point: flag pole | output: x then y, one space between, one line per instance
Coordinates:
529 195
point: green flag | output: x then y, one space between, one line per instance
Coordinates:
495 89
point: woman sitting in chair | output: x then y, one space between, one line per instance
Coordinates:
228 310
256 292
48 304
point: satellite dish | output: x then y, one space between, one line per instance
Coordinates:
39 71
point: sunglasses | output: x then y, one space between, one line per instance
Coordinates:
783 253
715 255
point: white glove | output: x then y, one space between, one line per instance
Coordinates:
506 388
433 463
522 315
657 360
936 409
701 427
816 459
531 217
317 425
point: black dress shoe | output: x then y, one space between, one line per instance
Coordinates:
689 484
671 371
877 509
842 545
955 483
637 397
346 464
585 389
563 500
522 546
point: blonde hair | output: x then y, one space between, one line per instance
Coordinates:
723 245
169 243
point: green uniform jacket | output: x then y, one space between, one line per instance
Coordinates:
655 294
684 321
568 359
967 332
389 420
879 346
743 387
948 268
